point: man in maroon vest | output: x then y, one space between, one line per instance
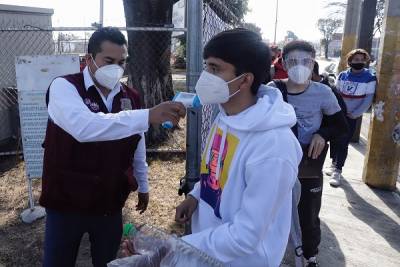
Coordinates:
95 153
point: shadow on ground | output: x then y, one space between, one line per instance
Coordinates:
382 224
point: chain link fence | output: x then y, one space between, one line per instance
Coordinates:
159 58
159 62
21 39
9 119
217 17
16 39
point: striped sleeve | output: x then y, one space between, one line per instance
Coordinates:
371 86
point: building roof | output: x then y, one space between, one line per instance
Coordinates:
25 9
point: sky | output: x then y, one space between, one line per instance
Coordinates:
299 16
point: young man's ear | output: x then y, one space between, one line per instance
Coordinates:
248 79
87 58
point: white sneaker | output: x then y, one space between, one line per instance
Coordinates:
312 262
330 170
335 179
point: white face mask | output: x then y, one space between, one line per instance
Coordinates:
212 89
108 75
299 74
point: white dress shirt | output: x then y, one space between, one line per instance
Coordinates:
67 109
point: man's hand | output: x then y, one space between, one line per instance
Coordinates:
167 111
151 259
316 146
143 201
127 248
185 210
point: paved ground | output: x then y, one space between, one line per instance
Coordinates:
360 225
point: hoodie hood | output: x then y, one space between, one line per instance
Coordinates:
268 113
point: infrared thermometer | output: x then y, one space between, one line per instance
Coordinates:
189 100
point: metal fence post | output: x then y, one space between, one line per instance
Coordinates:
194 10
101 17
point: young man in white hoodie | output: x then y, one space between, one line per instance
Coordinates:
240 209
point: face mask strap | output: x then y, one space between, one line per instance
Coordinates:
235 93
94 64
235 79
94 61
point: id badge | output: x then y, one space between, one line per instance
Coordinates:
126 104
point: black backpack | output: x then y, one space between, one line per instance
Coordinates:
282 87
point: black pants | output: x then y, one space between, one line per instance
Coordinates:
340 146
309 207
64 232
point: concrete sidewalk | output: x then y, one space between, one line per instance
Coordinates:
360 225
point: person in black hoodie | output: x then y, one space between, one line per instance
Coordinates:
316 77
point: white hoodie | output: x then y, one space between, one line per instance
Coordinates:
245 193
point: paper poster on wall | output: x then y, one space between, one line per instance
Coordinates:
34 75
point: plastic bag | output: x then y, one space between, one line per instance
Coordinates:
150 259
159 249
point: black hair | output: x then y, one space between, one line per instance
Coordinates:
316 68
245 50
298 45
111 34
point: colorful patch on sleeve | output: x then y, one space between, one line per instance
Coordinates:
211 186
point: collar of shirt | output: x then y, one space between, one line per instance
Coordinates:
110 98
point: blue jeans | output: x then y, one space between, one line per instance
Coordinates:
339 147
64 232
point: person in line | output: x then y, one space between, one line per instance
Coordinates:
240 210
357 87
94 153
277 64
275 53
311 101
334 143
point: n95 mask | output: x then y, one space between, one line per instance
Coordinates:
108 75
212 89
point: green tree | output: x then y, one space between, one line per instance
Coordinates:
328 27
253 27
229 11
238 7
337 9
291 36
180 56
149 67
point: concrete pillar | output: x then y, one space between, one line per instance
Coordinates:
383 154
349 41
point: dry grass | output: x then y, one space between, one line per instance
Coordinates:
22 244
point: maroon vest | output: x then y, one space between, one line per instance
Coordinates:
90 177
